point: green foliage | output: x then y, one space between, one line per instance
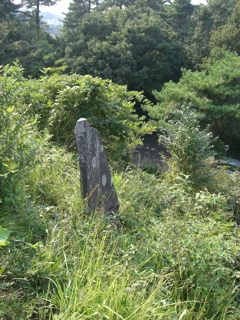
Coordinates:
107 106
128 46
200 266
4 234
139 43
180 258
54 182
76 11
205 20
213 92
19 140
229 185
59 101
190 238
225 37
172 251
189 147
50 191
104 279
180 17
22 39
35 4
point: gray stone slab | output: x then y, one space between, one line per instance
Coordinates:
234 162
95 176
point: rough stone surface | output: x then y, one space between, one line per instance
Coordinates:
96 180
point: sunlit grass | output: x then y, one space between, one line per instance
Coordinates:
167 255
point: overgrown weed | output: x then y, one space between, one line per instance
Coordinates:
174 256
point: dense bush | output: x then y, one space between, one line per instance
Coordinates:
172 252
19 140
213 92
175 253
190 149
57 102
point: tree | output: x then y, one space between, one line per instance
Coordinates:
20 41
213 92
12 24
226 37
8 9
206 19
77 9
180 13
36 5
128 46
144 5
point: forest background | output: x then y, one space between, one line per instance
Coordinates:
141 45
130 68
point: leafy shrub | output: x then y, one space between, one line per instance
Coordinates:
190 148
212 92
107 106
175 254
4 234
58 101
19 139
202 255
228 183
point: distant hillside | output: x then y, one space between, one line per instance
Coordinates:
54 22
48 16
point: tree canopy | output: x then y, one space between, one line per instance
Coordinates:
140 44
57 102
215 94
128 46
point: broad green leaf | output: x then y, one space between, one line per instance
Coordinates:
4 234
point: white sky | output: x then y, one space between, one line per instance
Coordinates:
62 6
59 8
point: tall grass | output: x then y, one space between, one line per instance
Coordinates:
99 282
172 251
169 254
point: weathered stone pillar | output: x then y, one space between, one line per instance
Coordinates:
96 180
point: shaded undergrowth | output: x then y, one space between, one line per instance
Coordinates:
168 254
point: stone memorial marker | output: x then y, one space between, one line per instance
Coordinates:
96 180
